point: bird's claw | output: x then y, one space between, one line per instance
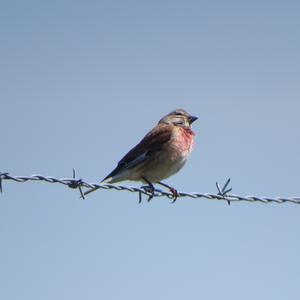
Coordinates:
150 190
173 191
174 195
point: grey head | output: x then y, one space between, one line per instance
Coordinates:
178 117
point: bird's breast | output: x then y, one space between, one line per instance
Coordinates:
184 140
171 158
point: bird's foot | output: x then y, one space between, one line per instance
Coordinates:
148 189
173 191
174 194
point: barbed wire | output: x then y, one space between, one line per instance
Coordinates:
223 192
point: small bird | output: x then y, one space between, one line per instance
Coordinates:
161 153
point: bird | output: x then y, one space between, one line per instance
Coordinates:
161 153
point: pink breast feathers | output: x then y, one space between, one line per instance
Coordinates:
187 139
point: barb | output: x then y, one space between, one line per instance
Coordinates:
76 183
222 191
79 183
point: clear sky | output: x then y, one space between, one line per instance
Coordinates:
81 82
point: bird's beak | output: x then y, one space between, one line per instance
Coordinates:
192 119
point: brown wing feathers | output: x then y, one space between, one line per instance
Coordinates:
151 143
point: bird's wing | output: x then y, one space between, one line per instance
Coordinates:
150 144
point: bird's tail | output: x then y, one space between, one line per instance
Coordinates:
105 180
90 190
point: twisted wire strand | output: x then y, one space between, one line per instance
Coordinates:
223 193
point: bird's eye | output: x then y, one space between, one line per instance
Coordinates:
178 113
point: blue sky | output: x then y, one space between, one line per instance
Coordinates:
81 83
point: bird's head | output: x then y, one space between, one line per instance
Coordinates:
179 117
